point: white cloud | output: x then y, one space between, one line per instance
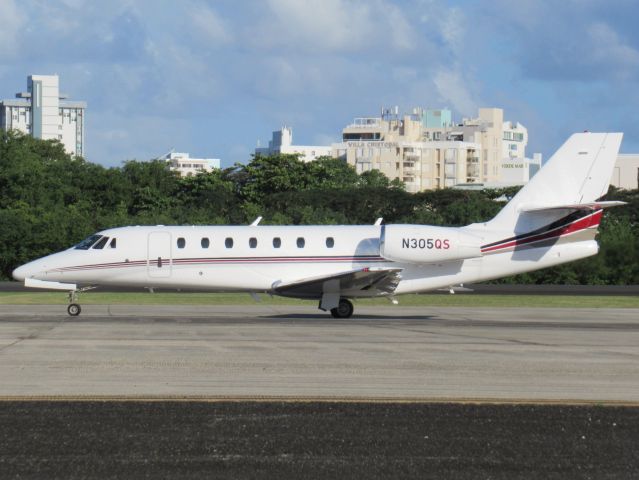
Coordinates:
140 137
608 49
13 21
454 88
334 26
209 25
453 29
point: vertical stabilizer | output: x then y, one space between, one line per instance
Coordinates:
578 173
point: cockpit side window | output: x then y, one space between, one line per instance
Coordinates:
87 242
113 243
101 243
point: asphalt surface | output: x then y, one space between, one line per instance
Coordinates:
469 289
450 393
316 440
389 352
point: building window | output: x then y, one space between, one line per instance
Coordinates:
228 243
277 242
252 242
330 242
181 243
205 242
301 242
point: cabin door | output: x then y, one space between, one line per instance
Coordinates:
159 254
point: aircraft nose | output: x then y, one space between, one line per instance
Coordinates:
20 273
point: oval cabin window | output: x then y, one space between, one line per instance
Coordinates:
205 242
181 243
252 242
301 242
330 242
228 243
277 242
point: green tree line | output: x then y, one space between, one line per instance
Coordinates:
50 201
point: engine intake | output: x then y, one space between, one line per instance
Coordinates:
426 244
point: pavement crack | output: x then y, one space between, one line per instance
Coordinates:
35 333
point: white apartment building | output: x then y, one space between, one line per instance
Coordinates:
514 140
499 139
626 172
396 147
186 166
426 149
518 171
282 142
44 113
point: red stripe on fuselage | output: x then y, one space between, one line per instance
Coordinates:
589 221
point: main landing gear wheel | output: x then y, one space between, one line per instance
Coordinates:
343 310
74 309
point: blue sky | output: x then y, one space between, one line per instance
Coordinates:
214 77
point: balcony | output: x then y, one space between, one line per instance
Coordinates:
472 171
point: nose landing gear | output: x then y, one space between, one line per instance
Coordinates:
74 308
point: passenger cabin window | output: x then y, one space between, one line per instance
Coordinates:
252 242
300 242
277 242
113 243
87 242
228 243
101 243
181 243
205 242
330 242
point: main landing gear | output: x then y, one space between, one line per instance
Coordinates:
343 310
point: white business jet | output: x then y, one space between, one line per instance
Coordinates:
552 220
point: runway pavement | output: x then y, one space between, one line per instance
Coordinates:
286 352
288 392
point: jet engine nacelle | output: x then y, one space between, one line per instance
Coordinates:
426 244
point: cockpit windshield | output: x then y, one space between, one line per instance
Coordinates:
87 242
101 243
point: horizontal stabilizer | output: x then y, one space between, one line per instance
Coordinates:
33 283
574 206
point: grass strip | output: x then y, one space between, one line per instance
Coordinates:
435 300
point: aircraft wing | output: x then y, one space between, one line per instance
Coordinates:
380 280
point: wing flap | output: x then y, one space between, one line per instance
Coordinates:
376 280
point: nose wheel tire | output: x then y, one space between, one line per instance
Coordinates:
343 310
74 309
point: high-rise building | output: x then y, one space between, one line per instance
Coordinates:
499 139
44 113
399 148
427 150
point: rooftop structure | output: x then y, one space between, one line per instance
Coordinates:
187 166
282 142
44 113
